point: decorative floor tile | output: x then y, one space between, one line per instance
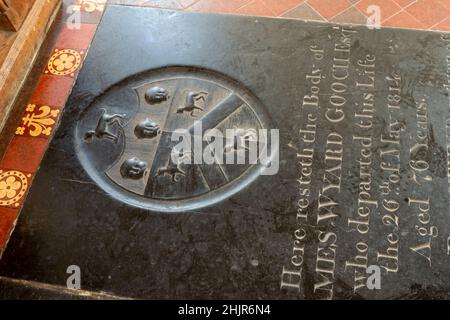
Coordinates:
52 90
76 38
14 185
24 154
64 62
7 220
38 121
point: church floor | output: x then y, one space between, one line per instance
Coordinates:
43 97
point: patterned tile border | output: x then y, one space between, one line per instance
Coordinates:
41 115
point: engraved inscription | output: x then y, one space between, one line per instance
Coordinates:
368 180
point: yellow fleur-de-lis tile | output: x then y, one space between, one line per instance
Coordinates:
38 121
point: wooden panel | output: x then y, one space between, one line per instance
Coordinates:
6 40
13 13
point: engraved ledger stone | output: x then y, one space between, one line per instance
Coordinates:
358 207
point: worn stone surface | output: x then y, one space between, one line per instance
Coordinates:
363 180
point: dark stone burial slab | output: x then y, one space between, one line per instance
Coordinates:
364 134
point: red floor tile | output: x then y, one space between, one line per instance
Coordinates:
52 91
24 154
329 8
445 4
281 6
256 8
351 15
443 25
404 3
7 220
403 20
76 38
387 7
208 6
428 13
233 5
304 12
